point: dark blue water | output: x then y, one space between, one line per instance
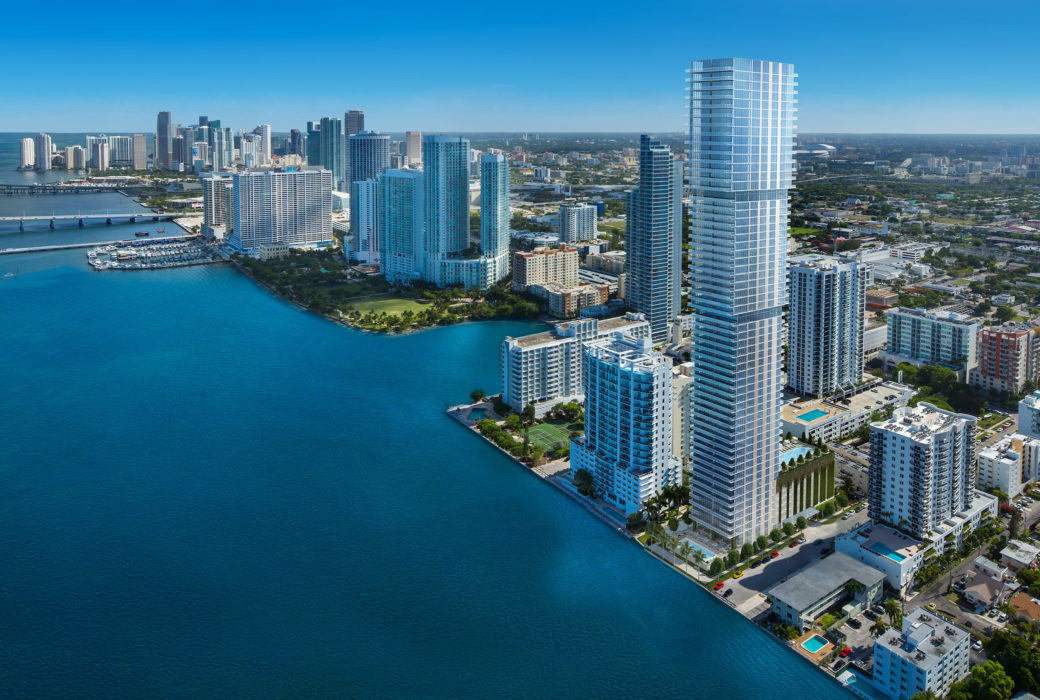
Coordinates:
208 493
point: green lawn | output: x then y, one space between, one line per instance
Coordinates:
550 436
960 283
616 227
386 303
802 231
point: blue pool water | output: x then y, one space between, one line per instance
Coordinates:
814 643
886 551
204 497
795 453
812 415
708 555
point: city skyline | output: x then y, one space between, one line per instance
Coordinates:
913 79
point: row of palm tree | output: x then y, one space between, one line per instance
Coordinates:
657 533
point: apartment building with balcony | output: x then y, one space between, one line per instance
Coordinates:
627 445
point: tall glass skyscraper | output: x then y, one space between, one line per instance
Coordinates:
494 207
446 183
163 141
825 324
331 150
653 237
313 143
741 162
369 155
400 213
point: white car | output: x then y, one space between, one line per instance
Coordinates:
977 646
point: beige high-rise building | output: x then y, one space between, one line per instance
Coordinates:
558 266
413 147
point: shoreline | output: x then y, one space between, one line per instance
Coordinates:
550 477
347 324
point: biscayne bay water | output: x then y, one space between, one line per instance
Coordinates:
209 493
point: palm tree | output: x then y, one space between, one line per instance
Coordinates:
878 628
895 612
685 550
698 557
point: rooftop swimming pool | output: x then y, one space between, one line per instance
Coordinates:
886 551
795 453
814 643
810 416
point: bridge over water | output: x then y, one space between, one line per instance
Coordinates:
70 246
83 219
6 189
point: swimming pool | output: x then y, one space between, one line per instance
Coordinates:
814 643
795 453
886 551
812 415
708 555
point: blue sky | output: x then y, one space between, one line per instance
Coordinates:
910 66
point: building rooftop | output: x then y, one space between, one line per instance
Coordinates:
1026 605
1020 551
921 422
1003 450
939 314
560 330
924 640
818 580
984 587
886 541
814 411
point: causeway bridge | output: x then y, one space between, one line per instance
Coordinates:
70 246
56 220
6 189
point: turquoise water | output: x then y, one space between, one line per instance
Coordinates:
812 415
886 551
814 643
209 493
795 453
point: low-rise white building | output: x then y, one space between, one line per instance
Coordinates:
837 416
808 594
545 369
989 567
927 654
1001 464
1019 555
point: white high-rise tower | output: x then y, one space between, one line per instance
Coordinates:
741 163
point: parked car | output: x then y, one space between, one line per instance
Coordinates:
977 645
774 555
728 593
845 652
870 615
855 624
719 585
992 612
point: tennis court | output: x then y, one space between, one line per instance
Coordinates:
550 436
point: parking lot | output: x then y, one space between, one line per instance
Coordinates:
749 590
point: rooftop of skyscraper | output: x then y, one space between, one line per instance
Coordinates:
921 422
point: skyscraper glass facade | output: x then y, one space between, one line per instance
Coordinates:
741 140
653 237
446 169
